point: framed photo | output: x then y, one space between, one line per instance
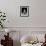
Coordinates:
24 11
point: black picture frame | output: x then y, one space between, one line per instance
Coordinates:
24 11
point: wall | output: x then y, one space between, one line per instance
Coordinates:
37 13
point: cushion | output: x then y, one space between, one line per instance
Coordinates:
26 39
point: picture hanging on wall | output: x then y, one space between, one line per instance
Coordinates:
24 11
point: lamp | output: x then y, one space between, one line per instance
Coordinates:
7 31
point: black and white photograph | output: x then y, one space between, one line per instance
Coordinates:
24 11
